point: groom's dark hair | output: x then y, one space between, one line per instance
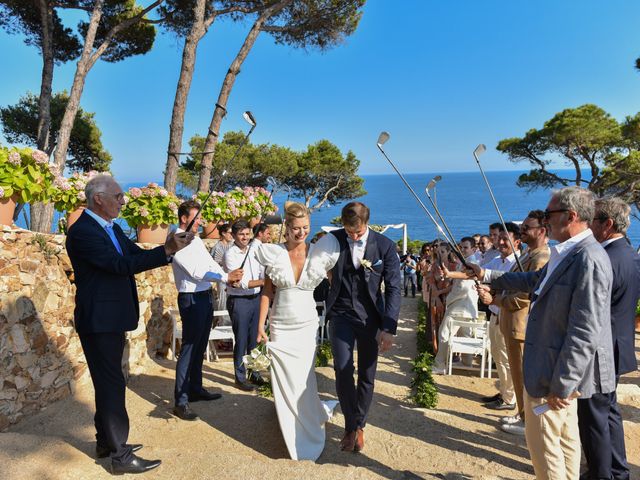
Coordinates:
354 214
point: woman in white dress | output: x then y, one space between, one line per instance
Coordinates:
293 270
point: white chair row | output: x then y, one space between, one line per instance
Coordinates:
476 344
216 333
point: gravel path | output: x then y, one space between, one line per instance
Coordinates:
238 437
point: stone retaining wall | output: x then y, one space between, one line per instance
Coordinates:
41 359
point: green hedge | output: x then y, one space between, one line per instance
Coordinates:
425 390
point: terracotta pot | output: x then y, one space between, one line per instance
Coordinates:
210 230
7 207
155 234
73 216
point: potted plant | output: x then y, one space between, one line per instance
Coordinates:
215 211
150 210
68 194
25 176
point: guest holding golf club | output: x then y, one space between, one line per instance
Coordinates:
193 271
243 302
104 262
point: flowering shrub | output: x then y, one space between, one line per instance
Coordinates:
149 206
248 202
26 173
68 193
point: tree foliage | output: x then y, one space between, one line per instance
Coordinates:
604 155
320 175
20 126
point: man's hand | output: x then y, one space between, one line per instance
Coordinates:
177 241
385 342
475 271
262 336
484 292
235 276
557 403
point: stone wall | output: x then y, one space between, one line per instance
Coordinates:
41 359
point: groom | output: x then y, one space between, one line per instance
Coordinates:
360 313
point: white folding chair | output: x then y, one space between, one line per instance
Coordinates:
322 317
476 344
222 332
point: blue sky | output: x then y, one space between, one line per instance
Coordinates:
441 77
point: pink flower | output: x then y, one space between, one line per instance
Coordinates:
163 192
217 211
173 207
40 157
126 199
135 192
53 168
1 192
152 185
14 158
81 196
144 212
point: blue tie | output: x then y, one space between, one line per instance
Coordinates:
112 236
357 243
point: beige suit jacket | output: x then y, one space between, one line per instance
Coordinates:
514 306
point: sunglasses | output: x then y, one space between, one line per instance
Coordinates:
526 228
548 213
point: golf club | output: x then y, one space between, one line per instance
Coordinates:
284 205
248 116
480 149
382 139
274 186
429 186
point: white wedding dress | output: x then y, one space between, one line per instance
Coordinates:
293 324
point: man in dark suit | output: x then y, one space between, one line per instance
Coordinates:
359 312
601 430
104 262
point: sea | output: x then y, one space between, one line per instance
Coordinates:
462 199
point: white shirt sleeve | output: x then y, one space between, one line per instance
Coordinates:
196 262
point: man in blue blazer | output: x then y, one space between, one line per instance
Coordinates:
104 262
359 312
601 430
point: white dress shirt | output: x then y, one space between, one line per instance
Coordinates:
501 265
252 269
611 240
194 269
357 248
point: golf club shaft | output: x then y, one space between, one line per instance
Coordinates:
426 210
217 185
444 224
495 204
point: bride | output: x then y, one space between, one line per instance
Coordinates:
292 271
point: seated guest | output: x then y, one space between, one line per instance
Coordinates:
193 270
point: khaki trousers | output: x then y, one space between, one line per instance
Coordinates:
515 349
553 440
499 354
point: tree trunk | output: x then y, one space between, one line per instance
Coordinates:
82 69
223 97
176 129
42 213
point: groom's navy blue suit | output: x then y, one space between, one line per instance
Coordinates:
357 310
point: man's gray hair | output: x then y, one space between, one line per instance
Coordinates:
580 200
617 210
97 184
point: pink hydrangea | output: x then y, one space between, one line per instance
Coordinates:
81 196
135 192
40 157
163 192
14 158
53 168
173 207
1 192
152 185
217 211
144 212
126 199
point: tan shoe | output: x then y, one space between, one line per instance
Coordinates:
359 440
348 442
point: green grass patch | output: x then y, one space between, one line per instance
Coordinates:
265 390
425 392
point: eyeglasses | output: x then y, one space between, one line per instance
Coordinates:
117 196
548 213
526 228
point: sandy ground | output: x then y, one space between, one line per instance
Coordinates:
238 437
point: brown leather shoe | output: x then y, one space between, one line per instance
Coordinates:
348 442
359 444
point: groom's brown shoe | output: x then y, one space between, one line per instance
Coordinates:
348 442
359 445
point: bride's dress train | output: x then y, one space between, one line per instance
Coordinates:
293 326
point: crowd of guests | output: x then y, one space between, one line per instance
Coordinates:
561 325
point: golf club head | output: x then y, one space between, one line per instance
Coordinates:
272 182
433 182
480 149
248 116
383 138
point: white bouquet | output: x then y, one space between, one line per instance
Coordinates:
257 360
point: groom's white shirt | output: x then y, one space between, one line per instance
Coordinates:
358 248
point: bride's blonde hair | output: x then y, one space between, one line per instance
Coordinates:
293 210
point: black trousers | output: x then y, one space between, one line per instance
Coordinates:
602 437
244 313
196 312
103 352
354 400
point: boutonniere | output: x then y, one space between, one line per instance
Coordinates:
366 264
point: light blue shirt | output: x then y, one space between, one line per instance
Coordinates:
108 226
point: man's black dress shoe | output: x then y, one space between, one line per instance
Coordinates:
204 395
184 412
492 398
136 465
104 452
257 379
246 386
